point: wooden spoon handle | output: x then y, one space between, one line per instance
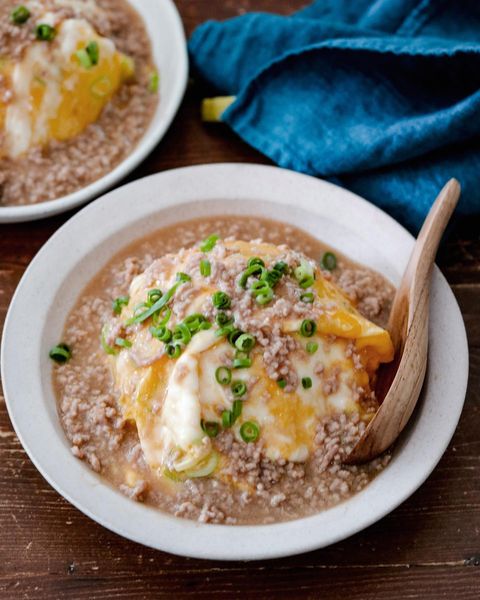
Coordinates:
415 285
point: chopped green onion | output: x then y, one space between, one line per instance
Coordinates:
162 316
312 347
282 383
239 388
227 330
119 303
123 343
195 322
261 291
241 360
304 274
153 296
245 342
181 334
329 261
103 340
93 52
183 277
221 300
211 428
227 419
154 82
205 468
251 271
20 15
156 307
60 353
308 298
205 268
234 335
223 375
161 333
209 243
223 319
84 58
236 409
255 261
173 350
249 431
308 328
45 32
306 383
281 267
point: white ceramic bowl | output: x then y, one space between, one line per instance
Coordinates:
80 248
169 48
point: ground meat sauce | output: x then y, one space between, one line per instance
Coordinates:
64 167
277 491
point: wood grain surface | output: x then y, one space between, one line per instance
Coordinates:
428 548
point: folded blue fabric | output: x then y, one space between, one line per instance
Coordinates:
379 96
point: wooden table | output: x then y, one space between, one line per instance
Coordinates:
428 548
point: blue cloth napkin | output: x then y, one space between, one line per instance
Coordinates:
379 96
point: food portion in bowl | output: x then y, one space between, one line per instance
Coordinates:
78 89
226 379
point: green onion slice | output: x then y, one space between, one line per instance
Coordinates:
209 243
308 328
306 383
239 388
20 15
241 360
156 307
308 297
227 330
211 428
183 277
227 419
223 319
329 261
221 300
122 342
312 347
195 322
245 342
236 409
223 375
154 82
251 271
205 268
153 296
45 32
93 52
161 317
173 350
103 340
60 353
255 260
162 333
282 383
233 336
119 303
249 431
181 334
205 468
304 274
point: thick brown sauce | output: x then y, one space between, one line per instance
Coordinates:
88 407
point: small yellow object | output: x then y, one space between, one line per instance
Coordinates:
213 108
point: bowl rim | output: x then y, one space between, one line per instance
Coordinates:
165 532
150 138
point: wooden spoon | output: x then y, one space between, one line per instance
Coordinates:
400 382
